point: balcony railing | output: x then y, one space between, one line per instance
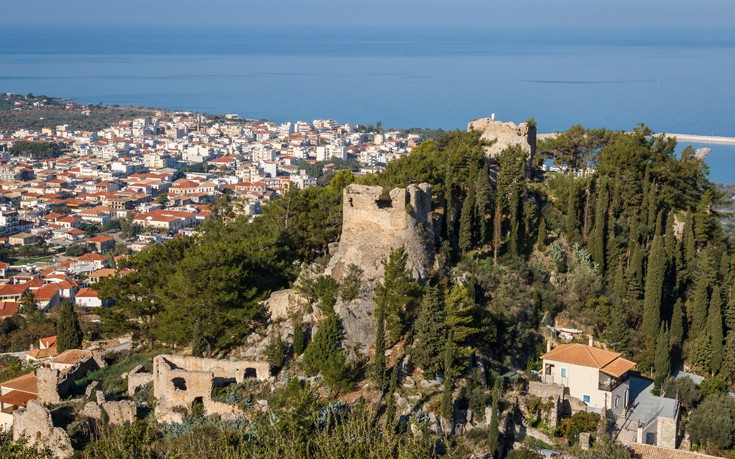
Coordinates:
610 384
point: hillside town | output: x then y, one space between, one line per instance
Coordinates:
115 191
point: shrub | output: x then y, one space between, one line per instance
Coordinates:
713 421
578 423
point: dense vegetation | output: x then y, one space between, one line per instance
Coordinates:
625 244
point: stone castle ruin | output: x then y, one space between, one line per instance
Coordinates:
180 381
35 424
374 223
505 135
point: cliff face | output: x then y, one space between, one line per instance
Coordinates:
505 135
374 224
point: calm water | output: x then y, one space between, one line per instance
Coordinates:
675 81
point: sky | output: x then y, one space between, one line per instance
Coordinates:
378 13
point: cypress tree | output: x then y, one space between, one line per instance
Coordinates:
515 223
730 314
587 214
654 287
635 272
652 218
493 438
199 344
699 307
497 230
714 327
299 339
483 204
542 233
700 352
617 332
728 358
677 324
378 369
704 221
572 221
430 333
690 248
673 258
620 286
447 401
466 222
600 229
69 333
325 355
662 362
390 408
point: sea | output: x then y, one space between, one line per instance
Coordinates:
673 80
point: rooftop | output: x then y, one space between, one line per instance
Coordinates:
588 356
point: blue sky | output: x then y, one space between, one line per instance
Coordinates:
421 13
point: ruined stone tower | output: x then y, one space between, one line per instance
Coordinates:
373 224
505 135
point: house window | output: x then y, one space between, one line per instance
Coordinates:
563 372
617 401
586 398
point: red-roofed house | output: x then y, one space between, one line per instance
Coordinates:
88 298
597 377
8 309
102 243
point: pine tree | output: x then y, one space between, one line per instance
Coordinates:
542 234
600 228
483 204
714 327
467 222
69 333
699 307
662 362
430 333
493 439
391 421
654 287
378 369
299 339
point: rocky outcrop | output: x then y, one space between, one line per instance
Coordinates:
375 222
504 135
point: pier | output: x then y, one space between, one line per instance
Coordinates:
681 138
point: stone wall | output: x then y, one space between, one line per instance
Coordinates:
138 378
34 422
179 381
53 384
373 224
114 413
505 135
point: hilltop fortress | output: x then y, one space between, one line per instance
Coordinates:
374 223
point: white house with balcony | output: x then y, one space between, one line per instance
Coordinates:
597 377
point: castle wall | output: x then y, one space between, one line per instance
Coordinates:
34 422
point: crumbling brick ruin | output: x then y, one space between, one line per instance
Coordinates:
179 381
34 422
505 135
374 223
